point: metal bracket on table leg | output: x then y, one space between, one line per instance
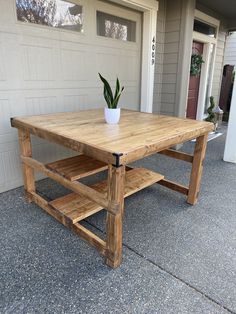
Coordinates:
117 156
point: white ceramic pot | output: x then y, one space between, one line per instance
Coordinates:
112 116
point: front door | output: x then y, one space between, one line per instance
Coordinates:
194 83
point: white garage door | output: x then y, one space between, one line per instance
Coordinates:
55 68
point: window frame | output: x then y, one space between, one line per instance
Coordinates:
51 28
118 17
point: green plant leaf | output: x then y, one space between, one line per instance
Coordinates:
116 100
117 88
115 103
107 98
107 87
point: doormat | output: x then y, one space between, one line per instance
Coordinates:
211 136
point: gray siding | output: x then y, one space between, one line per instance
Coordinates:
230 49
169 23
168 36
160 37
171 55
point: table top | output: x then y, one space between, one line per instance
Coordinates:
136 136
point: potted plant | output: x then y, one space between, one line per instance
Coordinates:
112 112
211 114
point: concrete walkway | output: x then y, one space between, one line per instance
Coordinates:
176 258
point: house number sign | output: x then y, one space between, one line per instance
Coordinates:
153 50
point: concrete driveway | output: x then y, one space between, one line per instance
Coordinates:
176 258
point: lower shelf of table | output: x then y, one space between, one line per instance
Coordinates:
77 207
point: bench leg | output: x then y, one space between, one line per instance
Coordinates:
28 172
116 178
197 167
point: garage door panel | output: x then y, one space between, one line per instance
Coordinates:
111 43
38 63
3 74
41 105
8 138
73 65
104 63
75 102
45 70
123 57
130 99
5 116
11 165
129 69
125 66
123 13
95 98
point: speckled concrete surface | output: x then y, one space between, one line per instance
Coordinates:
177 258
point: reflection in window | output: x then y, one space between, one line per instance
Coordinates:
204 28
115 27
55 13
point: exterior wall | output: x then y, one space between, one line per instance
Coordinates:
160 38
171 55
230 49
174 39
175 53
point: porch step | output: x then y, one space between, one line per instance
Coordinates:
77 167
77 207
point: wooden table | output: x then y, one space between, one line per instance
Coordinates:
113 147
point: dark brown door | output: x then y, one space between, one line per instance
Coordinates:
194 83
226 87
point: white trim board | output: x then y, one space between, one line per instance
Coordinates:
207 41
139 4
199 15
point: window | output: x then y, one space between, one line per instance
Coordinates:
204 28
115 27
54 13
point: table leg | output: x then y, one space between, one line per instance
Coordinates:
116 178
28 172
197 166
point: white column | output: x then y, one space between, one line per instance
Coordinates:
148 59
230 146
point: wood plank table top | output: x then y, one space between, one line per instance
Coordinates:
136 136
